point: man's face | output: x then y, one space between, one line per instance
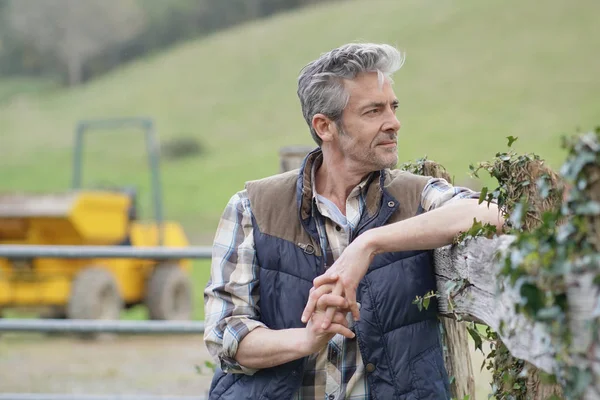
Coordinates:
369 125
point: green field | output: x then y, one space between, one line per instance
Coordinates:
475 73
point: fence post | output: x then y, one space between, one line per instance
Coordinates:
455 338
291 157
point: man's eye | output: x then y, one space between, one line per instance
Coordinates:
373 111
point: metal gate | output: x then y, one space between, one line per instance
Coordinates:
28 252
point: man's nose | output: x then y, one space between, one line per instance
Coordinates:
392 123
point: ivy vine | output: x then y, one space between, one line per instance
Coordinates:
556 221
555 218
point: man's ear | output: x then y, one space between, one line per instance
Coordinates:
324 127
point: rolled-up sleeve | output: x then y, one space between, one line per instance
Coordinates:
231 295
439 192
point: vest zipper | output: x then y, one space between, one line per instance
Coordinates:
307 248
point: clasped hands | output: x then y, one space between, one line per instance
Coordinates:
333 294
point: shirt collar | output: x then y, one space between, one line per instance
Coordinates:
370 186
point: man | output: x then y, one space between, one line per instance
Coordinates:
355 227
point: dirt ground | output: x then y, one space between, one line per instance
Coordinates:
150 365
138 365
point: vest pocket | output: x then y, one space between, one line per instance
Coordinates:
429 377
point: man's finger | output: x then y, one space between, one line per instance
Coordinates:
340 318
352 304
325 279
314 296
337 291
331 300
342 330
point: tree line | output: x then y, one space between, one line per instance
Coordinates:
76 40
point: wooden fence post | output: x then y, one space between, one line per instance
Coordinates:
291 157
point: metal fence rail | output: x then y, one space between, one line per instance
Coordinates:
154 253
28 252
102 326
44 396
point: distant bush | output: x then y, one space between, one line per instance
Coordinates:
181 147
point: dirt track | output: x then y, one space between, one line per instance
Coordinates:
152 365
157 365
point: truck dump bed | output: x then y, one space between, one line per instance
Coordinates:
75 217
16 205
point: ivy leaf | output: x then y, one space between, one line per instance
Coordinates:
476 338
210 365
583 379
426 302
450 285
543 186
419 302
589 208
518 215
549 313
533 296
511 140
484 192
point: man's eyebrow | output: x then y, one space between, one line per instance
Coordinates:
378 104
375 104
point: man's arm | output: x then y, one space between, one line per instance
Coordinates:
432 229
234 335
232 293
265 348
450 211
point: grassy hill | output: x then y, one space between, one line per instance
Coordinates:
476 72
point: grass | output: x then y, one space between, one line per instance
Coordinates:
16 87
475 73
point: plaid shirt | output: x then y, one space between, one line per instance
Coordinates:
337 371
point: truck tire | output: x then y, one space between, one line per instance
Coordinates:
169 294
94 295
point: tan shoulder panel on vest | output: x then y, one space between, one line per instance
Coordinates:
407 188
275 208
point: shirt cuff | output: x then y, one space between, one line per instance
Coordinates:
237 329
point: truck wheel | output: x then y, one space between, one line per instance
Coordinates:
94 295
169 294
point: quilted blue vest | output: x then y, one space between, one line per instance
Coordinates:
400 345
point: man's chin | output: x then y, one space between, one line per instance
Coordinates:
390 163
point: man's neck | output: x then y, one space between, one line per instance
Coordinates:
335 181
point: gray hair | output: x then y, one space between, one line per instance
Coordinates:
321 86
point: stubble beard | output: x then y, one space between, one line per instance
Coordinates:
371 158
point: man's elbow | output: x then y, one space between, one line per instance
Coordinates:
470 210
490 214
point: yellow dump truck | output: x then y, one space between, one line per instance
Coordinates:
93 288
